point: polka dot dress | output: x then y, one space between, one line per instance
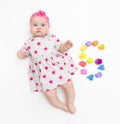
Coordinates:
48 68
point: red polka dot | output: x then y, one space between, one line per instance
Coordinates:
53 64
53 36
51 81
36 90
36 84
31 78
51 58
46 59
45 48
44 76
33 71
57 55
61 68
68 80
32 39
38 43
35 63
46 67
71 65
58 85
60 77
64 63
47 90
53 72
58 40
29 66
66 54
72 73
57 62
28 47
39 62
35 51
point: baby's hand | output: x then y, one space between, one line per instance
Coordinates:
21 54
68 44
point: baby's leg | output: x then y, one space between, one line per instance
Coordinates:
70 94
55 101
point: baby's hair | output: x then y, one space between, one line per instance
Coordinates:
40 13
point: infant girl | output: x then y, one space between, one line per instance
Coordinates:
50 65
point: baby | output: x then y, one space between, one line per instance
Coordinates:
50 65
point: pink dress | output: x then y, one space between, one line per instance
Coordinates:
48 68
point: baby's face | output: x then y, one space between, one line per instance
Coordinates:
39 26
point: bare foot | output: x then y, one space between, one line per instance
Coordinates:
72 109
65 108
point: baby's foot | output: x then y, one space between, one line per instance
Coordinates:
65 108
72 109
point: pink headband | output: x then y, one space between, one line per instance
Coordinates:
40 14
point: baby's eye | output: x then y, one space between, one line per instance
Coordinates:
34 24
42 24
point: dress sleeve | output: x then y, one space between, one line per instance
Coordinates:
57 43
26 47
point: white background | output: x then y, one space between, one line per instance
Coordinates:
97 101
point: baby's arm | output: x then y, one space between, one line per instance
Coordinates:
24 51
66 46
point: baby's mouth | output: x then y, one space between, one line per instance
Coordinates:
38 31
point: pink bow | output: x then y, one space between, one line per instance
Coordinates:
41 13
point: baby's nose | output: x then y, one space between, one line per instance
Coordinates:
38 28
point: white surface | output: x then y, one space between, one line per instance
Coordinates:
97 102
